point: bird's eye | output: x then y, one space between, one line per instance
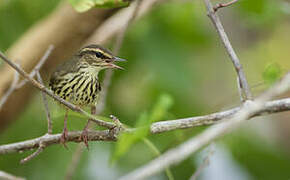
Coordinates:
99 55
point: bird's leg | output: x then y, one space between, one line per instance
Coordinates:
64 134
84 135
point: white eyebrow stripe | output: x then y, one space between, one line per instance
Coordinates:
97 50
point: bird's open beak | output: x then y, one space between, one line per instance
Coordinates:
112 65
119 59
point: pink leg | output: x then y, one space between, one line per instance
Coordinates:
64 134
84 136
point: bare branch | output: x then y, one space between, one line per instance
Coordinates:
44 100
240 89
234 58
38 65
6 176
176 155
10 90
204 164
15 85
221 5
42 88
49 139
33 155
268 108
158 127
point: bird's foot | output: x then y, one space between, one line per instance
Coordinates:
84 137
64 137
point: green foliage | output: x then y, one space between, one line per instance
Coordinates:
84 5
272 73
259 13
126 140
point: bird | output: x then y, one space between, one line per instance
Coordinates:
76 80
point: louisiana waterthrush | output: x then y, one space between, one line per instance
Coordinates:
76 80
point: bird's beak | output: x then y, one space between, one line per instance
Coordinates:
111 65
119 59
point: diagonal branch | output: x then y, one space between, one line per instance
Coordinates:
17 85
222 5
234 58
11 89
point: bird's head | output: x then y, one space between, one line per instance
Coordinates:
99 57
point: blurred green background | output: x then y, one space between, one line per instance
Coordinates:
173 50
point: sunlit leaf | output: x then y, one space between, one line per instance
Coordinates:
272 73
84 5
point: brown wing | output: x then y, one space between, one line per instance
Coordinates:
68 66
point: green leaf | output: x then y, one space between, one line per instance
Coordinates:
85 5
126 140
161 107
272 73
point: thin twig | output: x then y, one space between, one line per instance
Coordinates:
240 89
204 164
44 100
38 65
221 5
17 85
233 56
177 154
33 155
10 90
42 88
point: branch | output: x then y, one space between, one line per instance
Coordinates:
234 58
49 139
269 107
165 126
6 176
10 90
47 112
33 155
15 85
221 5
176 155
204 164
